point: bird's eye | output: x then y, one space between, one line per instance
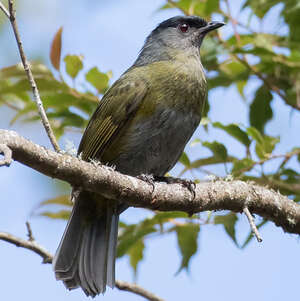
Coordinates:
183 27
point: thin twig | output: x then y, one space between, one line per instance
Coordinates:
286 158
29 232
10 105
27 244
132 287
238 23
47 258
7 154
252 224
233 22
36 95
3 8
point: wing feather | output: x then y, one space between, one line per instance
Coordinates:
117 107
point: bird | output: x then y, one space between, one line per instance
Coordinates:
141 126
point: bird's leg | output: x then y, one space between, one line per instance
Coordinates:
148 179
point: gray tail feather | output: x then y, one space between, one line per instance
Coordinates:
87 251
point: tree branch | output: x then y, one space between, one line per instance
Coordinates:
7 155
47 258
11 15
136 289
27 244
215 195
252 224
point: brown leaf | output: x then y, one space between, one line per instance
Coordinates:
55 50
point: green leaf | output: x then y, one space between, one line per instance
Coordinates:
185 5
65 100
240 84
59 200
260 109
195 142
62 214
55 50
212 6
217 148
266 147
264 40
97 79
205 8
161 218
235 131
255 134
136 254
241 166
207 161
244 39
17 71
291 16
228 221
73 64
233 69
184 159
264 144
202 8
187 236
131 235
45 84
291 176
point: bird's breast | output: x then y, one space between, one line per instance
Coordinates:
165 121
153 145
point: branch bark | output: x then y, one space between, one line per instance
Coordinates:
214 195
47 258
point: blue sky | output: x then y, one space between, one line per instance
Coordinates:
109 34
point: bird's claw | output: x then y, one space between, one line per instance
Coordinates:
148 179
189 184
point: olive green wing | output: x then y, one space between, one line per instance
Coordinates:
117 107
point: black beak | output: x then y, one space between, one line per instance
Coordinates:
211 26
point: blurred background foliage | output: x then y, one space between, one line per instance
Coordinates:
244 53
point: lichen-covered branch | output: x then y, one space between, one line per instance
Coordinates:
7 155
32 245
213 195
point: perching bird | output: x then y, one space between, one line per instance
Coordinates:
141 126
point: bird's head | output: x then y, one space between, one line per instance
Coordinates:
180 33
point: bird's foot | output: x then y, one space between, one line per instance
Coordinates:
148 179
189 184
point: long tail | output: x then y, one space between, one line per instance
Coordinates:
86 254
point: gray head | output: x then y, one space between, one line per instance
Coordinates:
177 34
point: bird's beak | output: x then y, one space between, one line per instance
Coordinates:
211 26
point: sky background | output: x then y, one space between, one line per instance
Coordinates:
109 34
